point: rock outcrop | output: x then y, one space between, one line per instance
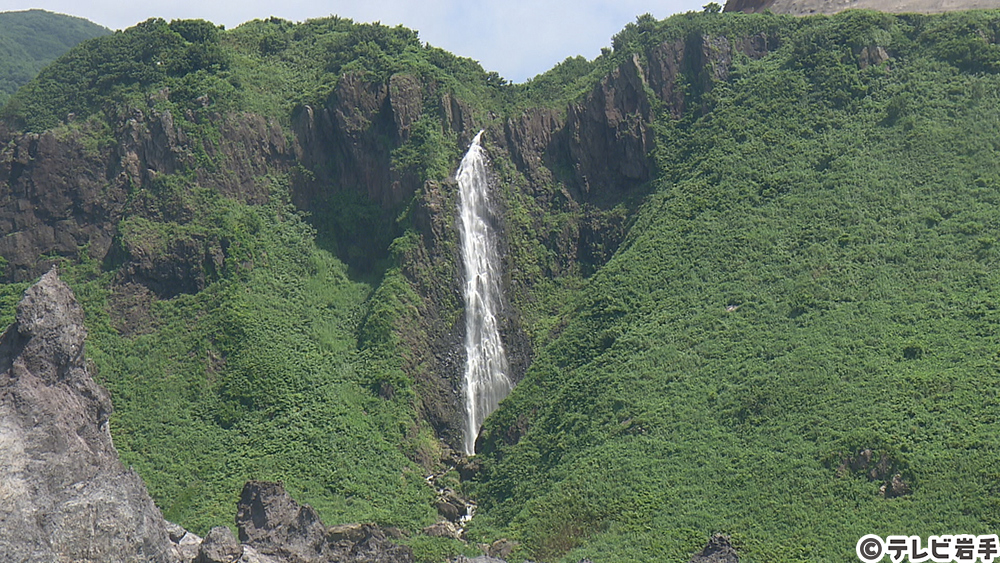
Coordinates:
718 550
609 138
60 193
54 199
64 494
606 135
347 143
273 524
810 7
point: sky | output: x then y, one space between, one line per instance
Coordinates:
516 38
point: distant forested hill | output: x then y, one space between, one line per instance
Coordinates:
31 39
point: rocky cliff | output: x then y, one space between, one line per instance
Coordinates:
810 7
65 495
63 195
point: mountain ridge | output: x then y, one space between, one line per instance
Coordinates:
30 39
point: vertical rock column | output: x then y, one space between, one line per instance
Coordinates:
64 494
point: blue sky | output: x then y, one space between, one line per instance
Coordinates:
516 38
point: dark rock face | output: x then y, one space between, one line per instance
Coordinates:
54 198
348 142
718 550
606 135
609 140
275 525
66 495
151 143
58 194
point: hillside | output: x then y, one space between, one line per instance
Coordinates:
811 7
750 276
31 39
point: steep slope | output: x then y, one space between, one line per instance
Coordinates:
31 39
796 345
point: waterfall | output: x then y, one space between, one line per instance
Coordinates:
486 382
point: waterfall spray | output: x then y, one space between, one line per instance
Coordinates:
486 381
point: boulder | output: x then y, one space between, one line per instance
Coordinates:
219 546
718 550
276 526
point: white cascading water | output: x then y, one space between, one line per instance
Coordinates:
486 380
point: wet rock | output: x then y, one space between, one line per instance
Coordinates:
444 530
469 468
457 116
66 496
449 511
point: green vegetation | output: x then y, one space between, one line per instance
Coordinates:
31 39
257 376
286 366
811 272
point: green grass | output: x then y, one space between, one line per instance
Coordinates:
258 376
815 273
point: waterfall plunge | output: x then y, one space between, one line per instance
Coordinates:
486 381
